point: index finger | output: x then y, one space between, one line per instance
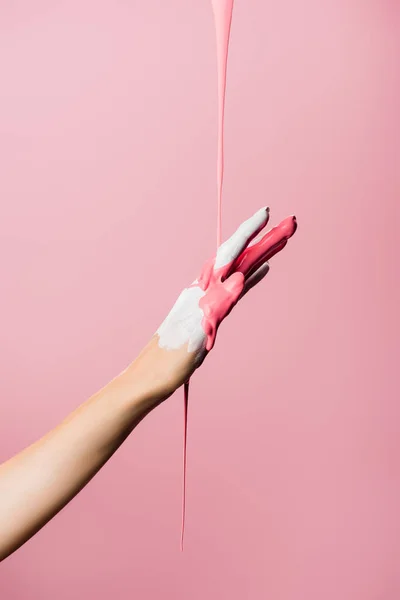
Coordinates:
234 246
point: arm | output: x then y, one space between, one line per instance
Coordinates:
36 483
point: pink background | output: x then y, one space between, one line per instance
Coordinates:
108 146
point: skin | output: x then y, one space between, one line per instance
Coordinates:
39 481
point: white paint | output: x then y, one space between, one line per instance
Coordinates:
233 247
183 325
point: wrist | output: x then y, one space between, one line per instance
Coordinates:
157 372
146 382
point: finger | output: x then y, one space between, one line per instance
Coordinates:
255 278
269 245
234 246
234 285
218 303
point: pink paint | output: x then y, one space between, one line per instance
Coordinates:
223 18
272 242
185 421
223 290
223 287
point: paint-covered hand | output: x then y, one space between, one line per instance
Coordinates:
188 333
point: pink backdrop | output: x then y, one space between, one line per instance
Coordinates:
108 145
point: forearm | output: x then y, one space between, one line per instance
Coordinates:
40 480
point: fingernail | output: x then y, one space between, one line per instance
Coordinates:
288 226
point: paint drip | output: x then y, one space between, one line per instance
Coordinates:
185 422
222 17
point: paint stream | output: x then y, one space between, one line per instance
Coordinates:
223 17
185 419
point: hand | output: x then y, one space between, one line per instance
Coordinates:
188 333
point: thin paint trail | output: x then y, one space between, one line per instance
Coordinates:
185 419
